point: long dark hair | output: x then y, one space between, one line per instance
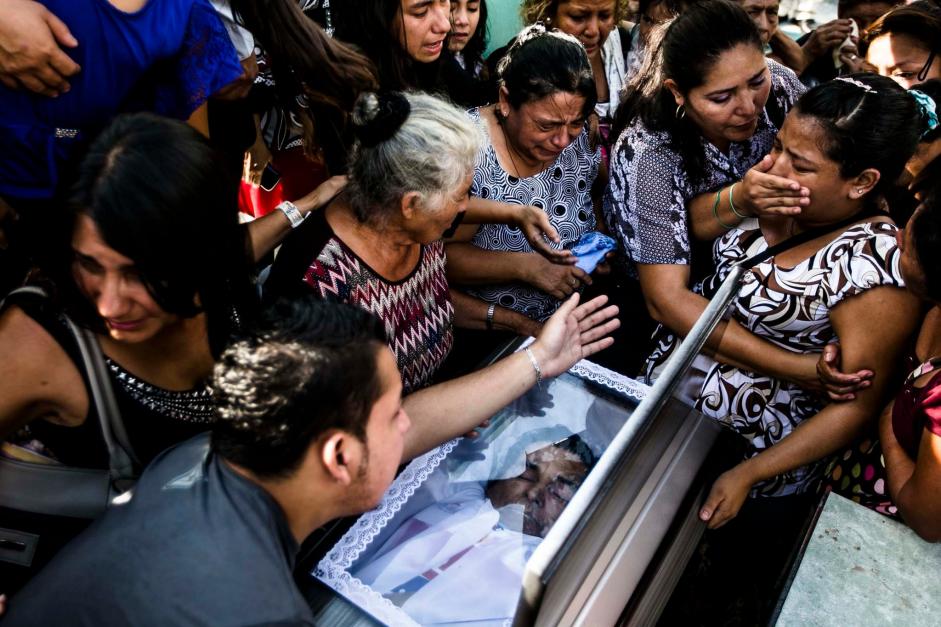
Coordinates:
920 20
370 26
684 49
306 62
156 192
473 51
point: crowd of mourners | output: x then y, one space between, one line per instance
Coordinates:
255 254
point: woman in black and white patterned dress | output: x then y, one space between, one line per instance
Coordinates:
700 118
847 141
539 154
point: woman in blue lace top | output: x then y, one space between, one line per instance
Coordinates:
166 56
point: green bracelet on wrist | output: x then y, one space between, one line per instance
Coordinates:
715 212
732 204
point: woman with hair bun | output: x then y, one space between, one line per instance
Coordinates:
378 244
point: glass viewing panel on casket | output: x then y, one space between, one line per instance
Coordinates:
562 511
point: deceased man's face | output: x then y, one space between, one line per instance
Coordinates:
549 482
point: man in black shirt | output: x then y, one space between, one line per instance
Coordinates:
212 530
311 427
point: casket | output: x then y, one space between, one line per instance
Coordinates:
577 505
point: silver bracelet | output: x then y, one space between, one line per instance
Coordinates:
292 213
490 310
532 360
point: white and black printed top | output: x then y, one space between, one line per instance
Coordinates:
648 188
563 191
789 307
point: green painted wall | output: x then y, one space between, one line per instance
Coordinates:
503 19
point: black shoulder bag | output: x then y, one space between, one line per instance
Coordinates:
44 505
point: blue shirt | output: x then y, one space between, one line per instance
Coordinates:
167 57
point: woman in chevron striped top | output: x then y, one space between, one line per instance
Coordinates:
378 245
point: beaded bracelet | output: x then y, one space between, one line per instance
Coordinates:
715 212
732 204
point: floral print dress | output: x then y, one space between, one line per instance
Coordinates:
789 307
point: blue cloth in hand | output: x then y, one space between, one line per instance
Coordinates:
591 249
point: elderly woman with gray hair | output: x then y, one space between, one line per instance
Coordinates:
379 244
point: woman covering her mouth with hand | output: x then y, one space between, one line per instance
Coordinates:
690 162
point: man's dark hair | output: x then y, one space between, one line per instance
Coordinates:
306 367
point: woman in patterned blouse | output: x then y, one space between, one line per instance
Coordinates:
701 117
847 141
537 154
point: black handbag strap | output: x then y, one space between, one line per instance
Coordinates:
123 464
802 238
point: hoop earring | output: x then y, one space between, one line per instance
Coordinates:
680 112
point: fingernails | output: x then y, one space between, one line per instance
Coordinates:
704 514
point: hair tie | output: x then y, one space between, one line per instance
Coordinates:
377 117
852 81
928 108
531 32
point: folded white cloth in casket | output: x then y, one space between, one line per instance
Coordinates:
453 561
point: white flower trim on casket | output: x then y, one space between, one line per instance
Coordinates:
333 568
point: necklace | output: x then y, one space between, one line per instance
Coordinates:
510 150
